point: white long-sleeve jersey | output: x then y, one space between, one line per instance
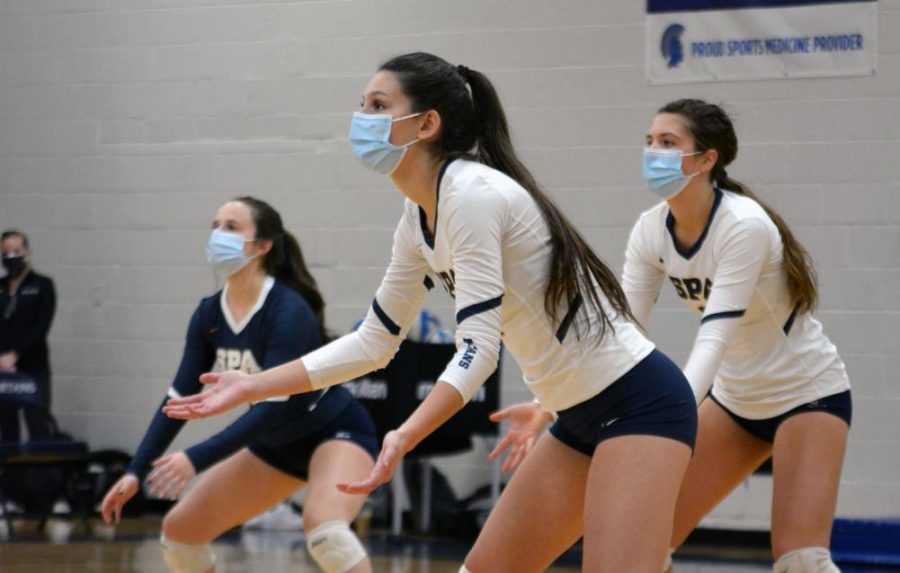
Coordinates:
490 249
760 358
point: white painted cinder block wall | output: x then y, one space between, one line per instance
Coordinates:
125 123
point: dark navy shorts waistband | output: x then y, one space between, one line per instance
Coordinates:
653 398
840 405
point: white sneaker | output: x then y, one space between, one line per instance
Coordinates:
59 530
282 517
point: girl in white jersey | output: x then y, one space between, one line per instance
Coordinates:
778 386
476 221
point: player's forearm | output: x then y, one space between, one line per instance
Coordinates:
439 406
289 378
236 436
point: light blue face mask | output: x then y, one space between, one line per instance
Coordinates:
662 171
370 141
226 252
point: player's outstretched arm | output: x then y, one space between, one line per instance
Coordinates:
438 407
233 388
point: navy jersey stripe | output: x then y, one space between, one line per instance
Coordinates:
569 318
389 324
726 314
477 308
429 284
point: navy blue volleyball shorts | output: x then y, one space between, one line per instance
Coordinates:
840 405
353 424
653 398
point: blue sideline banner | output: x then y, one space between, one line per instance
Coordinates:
714 40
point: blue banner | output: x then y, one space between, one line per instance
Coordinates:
662 6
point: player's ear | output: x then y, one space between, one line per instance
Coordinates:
708 160
429 125
263 247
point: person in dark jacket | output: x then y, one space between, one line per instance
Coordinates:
27 305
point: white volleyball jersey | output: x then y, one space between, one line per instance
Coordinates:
760 358
490 249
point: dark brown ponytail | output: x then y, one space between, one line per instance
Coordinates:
473 125
712 129
285 260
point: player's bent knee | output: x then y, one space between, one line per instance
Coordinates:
806 560
334 547
187 558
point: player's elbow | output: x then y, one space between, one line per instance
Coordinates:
381 348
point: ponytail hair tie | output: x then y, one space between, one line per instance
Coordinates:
463 71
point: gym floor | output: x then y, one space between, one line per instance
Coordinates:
133 547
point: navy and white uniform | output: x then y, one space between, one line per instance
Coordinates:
490 250
760 358
282 431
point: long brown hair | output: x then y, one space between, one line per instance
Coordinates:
711 128
474 126
284 261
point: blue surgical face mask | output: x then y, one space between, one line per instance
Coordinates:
370 141
662 171
226 252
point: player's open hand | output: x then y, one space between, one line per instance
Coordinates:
229 390
117 496
170 474
393 448
526 422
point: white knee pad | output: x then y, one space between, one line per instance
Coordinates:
463 569
185 558
668 563
334 547
806 560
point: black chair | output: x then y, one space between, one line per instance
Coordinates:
70 458
393 393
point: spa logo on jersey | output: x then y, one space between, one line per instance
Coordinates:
235 359
710 40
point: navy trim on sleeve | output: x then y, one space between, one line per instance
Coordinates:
726 314
478 308
389 324
569 318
